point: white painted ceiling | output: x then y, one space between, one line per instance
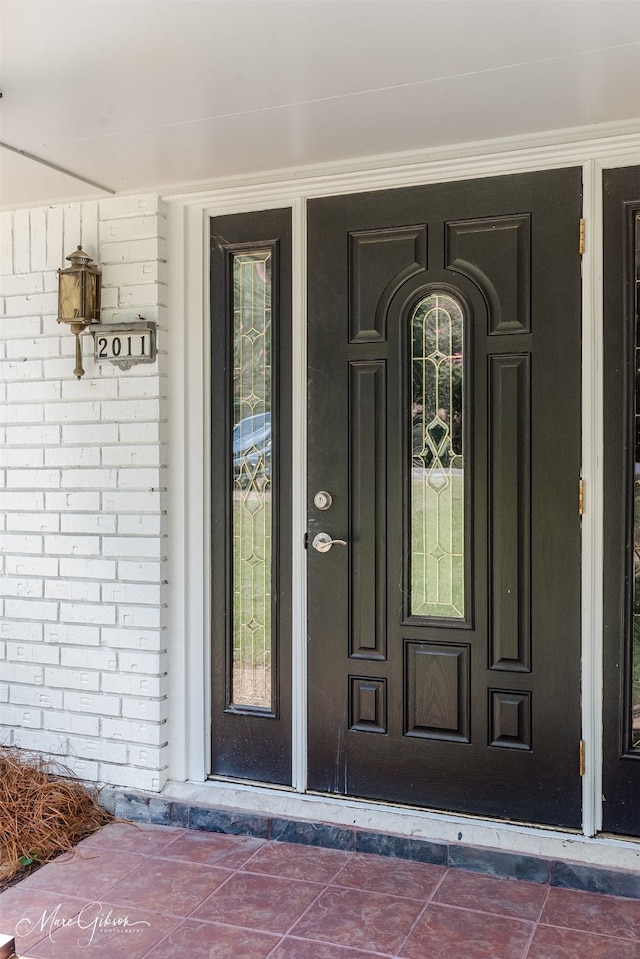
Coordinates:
144 95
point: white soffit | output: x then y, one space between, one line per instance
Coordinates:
145 94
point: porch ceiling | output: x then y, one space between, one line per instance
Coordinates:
144 95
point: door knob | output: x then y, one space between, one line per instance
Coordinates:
323 542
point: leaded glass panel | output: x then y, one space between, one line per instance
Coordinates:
251 514
437 458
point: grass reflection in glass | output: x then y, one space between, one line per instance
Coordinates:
437 543
437 460
251 683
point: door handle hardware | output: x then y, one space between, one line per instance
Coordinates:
322 499
323 542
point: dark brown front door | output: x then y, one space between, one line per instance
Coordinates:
444 423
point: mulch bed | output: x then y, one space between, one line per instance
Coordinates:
44 811
18 876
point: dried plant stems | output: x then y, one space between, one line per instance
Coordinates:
44 809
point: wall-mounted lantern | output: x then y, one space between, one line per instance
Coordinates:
79 298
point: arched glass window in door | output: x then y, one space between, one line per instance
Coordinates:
437 457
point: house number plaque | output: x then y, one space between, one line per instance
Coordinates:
125 344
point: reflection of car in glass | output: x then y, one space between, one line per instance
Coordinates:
251 446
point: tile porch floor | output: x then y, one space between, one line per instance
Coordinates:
157 892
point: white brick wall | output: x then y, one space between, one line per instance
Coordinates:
82 491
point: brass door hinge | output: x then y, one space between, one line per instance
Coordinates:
582 758
581 498
581 238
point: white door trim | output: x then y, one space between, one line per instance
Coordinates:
593 517
189 450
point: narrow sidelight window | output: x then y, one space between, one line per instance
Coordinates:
251 519
437 461
250 261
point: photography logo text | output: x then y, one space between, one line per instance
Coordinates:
92 919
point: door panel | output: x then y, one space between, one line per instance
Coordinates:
473 707
621 767
251 493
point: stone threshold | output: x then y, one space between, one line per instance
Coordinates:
141 808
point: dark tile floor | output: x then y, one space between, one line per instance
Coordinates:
155 892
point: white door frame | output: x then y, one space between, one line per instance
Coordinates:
189 345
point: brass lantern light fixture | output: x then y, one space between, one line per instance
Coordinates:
79 298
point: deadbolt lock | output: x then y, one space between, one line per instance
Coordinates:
322 499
